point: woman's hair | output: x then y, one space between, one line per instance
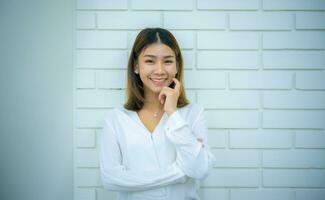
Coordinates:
134 90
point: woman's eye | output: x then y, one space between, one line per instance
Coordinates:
151 61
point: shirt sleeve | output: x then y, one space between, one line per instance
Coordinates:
117 177
193 157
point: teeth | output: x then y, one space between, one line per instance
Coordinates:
158 79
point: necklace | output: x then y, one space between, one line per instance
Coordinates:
155 113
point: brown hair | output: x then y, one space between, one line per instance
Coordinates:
134 90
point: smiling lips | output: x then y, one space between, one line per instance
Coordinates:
158 81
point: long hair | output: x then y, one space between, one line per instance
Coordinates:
134 91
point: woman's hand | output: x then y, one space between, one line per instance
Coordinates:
169 96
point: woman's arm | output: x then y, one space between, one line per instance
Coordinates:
116 177
193 157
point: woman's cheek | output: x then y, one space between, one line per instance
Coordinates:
172 70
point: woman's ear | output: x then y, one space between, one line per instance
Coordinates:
136 69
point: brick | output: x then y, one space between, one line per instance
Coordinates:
227 4
204 79
194 20
99 137
188 59
99 98
310 139
161 5
217 138
84 194
293 59
185 39
103 194
228 59
102 4
294 40
128 20
255 139
190 94
229 100
293 178
236 158
86 158
85 79
89 118
310 194
294 158
213 193
227 40
85 20
111 79
260 21
305 20
293 5
131 38
85 138
294 99
260 80
293 119
265 194
101 39
232 119
87 177
310 80
102 59
232 178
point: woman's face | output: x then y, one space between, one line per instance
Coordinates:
156 67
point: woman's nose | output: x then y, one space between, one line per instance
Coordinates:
160 66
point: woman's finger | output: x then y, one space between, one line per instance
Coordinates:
160 94
177 84
162 100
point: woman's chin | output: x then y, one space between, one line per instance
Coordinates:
157 89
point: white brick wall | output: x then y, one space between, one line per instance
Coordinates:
263 61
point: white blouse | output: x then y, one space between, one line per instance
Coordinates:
166 164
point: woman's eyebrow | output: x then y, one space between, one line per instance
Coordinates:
152 56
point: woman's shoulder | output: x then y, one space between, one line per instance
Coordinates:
114 112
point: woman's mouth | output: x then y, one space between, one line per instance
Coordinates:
158 81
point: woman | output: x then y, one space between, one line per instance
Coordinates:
155 145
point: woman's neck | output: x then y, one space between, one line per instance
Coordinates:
152 103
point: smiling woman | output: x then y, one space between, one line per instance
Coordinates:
159 66
155 55
155 145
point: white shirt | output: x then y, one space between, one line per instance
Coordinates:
167 164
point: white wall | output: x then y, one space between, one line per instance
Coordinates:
256 66
36 100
